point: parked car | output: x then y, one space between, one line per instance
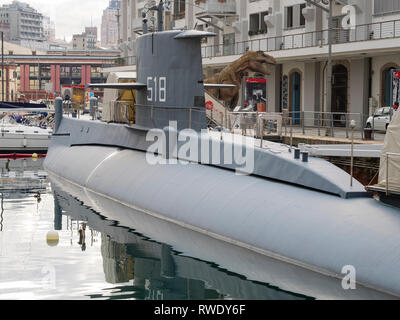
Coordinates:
380 120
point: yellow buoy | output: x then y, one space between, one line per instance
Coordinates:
52 238
35 156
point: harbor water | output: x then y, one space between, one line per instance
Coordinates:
54 246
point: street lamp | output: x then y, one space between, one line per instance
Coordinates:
329 11
352 126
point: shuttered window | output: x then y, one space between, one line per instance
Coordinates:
294 16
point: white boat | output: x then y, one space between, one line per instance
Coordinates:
19 138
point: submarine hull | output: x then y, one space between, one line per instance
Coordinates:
146 232
313 231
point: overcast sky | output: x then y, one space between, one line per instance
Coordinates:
70 16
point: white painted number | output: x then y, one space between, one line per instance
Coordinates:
159 87
163 88
149 90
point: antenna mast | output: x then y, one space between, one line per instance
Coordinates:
152 5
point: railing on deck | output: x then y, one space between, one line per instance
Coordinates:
256 124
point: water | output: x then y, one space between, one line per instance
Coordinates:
96 257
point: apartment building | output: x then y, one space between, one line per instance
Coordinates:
91 35
26 23
86 40
296 34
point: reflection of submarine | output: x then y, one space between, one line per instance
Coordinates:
303 213
156 270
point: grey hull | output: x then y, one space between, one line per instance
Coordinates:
297 282
313 231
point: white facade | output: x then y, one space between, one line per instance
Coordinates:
296 35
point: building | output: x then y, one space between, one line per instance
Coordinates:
109 25
86 40
5 30
49 29
26 23
33 75
79 41
296 34
178 15
91 36
11 76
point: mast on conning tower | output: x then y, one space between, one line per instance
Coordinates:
160 15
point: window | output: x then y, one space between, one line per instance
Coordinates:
254 22
294 16
289 17
95 72
34 84
34 71
229 44
386 6
43 84
45 71
65 71
76 72
179 9
257 23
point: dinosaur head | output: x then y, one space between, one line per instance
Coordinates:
265 58
261 61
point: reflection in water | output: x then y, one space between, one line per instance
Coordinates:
82 236
146 269
18 178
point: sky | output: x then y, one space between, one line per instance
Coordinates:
70 16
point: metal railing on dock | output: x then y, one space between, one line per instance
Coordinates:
328 124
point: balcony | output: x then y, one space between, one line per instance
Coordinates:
215 8
362 35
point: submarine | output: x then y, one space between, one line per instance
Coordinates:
262 197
